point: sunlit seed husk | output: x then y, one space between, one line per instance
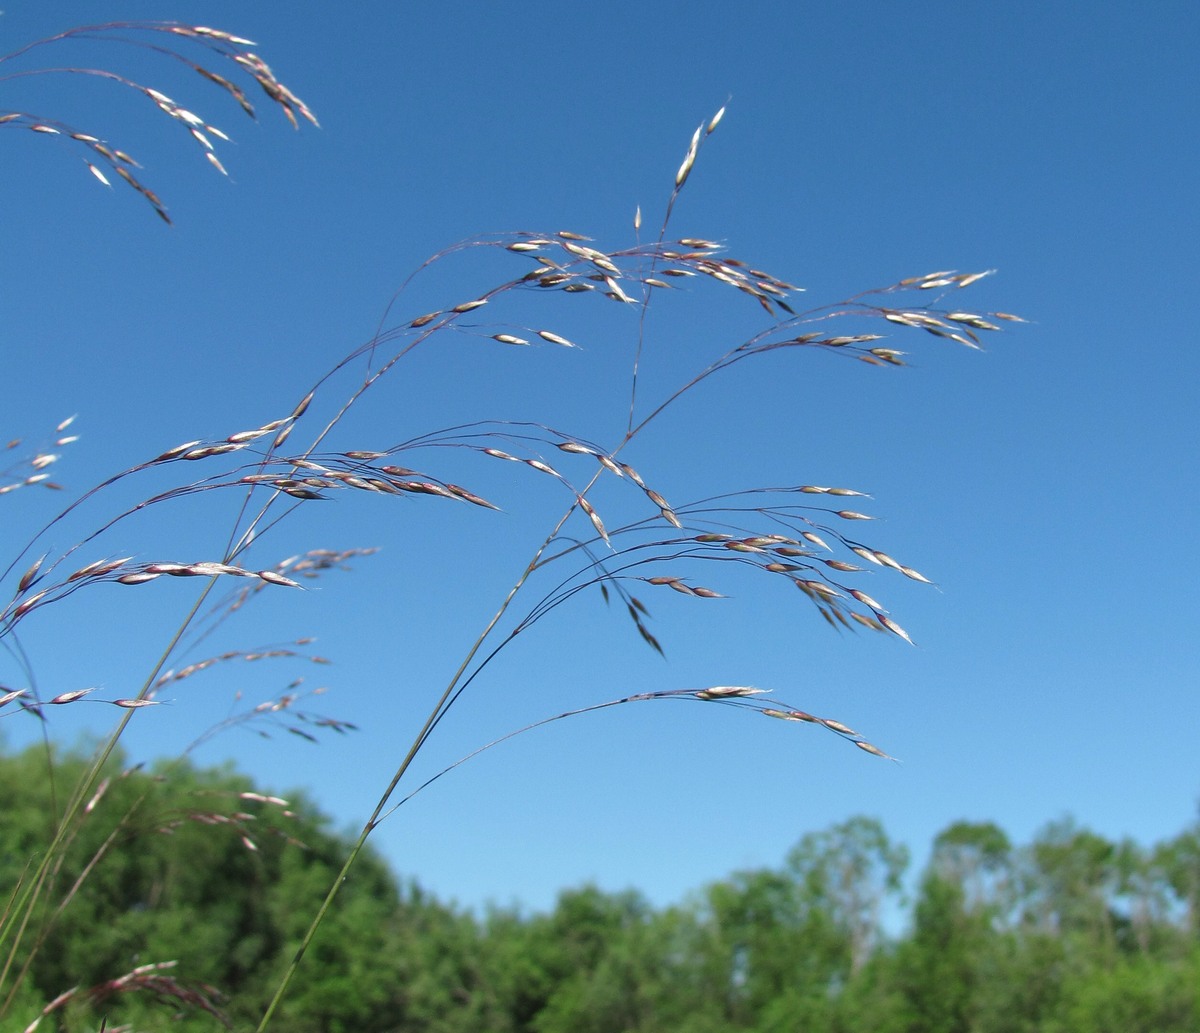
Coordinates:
469 306
523 246
966 281
816 539
245 435
837 726
715 120
893 627
616 290
70 697
633 476
98 568
137 578
30 575
609 465
850 514
509 339
867 622
421 321
273 578
848 568
728 692
821 589
689 160
176 452
594 517
22 609
875 751
887 561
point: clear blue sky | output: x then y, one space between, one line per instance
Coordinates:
1049 485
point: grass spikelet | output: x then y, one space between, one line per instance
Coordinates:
893 627
728 692
594 517
685 169
875 751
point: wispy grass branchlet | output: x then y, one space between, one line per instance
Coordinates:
807 538
104 159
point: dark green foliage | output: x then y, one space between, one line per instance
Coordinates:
182 867
1071 934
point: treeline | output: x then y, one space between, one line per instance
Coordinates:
1071 932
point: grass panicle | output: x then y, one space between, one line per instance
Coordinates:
626 542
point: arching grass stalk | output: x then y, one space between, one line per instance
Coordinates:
418 741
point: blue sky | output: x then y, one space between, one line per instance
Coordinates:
1048 485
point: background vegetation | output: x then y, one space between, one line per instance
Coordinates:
1068 933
